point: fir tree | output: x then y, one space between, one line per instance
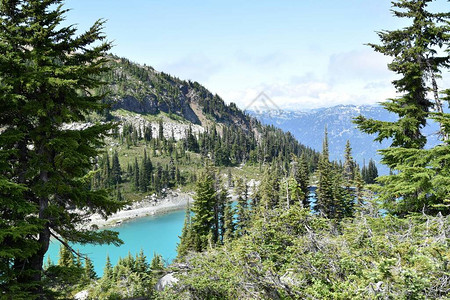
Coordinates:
415 50
107 270
349 163
47 74
89 272
66 258
186 239
302 178
116 171
241 191
136 177
203 219
324 192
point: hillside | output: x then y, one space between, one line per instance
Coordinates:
142 89
168 128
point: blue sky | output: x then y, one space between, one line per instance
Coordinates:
303 54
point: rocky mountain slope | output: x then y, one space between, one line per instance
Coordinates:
143 90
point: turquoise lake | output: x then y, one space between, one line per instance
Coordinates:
153 234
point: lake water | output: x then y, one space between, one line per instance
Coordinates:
153 234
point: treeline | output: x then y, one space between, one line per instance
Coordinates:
132 276
224 146
338 191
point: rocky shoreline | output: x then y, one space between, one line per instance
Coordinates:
150 205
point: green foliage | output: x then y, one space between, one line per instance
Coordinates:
46 74
292 254
334 200
415 51
203 221
130 278
369 173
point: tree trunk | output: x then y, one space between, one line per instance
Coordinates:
437 101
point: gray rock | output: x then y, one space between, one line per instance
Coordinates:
166 281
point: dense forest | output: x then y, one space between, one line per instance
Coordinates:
310 228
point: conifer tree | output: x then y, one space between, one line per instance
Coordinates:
89 272
203 219
107 270
66 258
301 176
324 192
46 74
157 263
116 171
136 177
106 171
160 129
229 225
415 53
241 191
186 239
349 163
269 189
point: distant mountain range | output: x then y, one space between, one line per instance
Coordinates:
309 126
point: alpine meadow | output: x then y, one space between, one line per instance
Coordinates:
91 140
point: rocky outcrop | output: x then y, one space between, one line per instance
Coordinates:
150 105
166 281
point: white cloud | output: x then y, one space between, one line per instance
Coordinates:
358 65
355 77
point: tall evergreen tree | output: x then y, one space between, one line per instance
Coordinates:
415 53
89 272
136 177
203 219
324 192
46 74
241 191
116 171
349 163
302 178
186 239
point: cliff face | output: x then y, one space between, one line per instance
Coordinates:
149 105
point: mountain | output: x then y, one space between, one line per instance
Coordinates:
308 127
170 127
143 90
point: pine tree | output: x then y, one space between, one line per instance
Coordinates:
203 219
106 172
136 177
160 129
47 74
349 163
229 225
325 203
140 263
66 257
359 185
241 191
269 189
372 172
89 272
116 171
414 49
301 176
157 263
186 239
107 270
